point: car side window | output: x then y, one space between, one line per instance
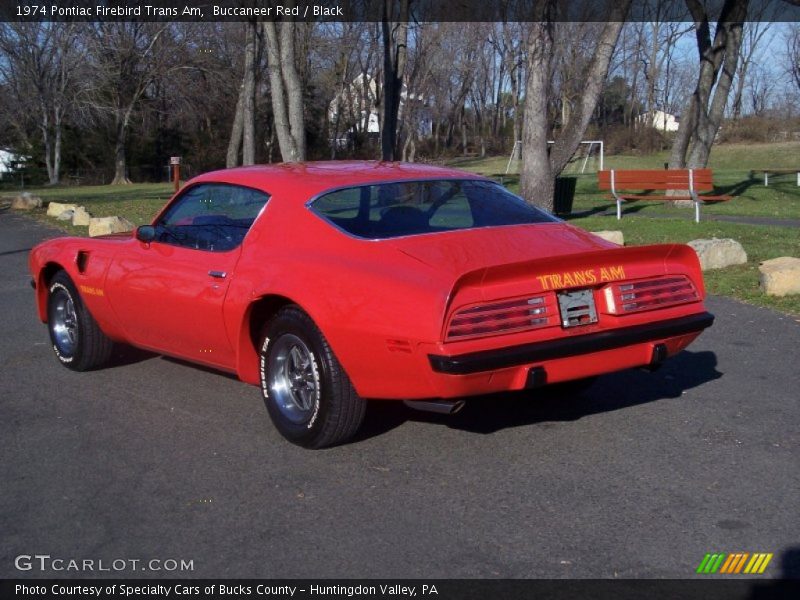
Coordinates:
213 217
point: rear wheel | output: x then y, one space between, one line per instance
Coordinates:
77 340
308 395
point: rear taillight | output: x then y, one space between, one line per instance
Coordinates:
648 294
507 316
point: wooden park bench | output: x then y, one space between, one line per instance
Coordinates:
686 184
768 172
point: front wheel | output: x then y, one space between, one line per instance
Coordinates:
308 395
77 340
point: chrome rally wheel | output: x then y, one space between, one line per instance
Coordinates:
78 342
64 322
308 395
294 378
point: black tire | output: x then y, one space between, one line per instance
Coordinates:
326 415
88 347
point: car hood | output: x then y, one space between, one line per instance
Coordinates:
458 252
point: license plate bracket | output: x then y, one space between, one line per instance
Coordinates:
577 307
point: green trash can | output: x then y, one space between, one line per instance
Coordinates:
564 195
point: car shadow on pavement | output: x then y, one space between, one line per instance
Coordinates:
124 355
20 251
616 391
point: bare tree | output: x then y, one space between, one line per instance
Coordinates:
127 58
42 60
286 89
760 88
663 38
793 54
515 43
343 41
540 166
717 66
243 127
753 33
394 27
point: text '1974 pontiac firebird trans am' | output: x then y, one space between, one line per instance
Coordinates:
330 283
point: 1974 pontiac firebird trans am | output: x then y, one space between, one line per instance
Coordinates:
329 283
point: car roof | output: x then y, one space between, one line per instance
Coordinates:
308 179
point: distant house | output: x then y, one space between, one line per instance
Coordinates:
660 120
355 110
9 162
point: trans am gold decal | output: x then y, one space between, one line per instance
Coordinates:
92 291
567 279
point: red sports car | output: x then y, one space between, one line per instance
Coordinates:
329 283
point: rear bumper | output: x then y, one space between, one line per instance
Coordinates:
490 360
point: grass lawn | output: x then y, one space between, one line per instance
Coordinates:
741 281
731 163
140 202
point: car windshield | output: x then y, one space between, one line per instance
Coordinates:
388 210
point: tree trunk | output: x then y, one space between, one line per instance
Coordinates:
56 177
249 90
464 138
45 127
706 130
294 90
395 40
120 176
120 164
701 120
287 97
536 178
570 138
737 96
540 168
516 81
235 142
682 138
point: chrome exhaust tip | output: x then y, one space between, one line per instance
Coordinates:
442 407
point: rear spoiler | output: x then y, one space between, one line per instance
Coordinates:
582 270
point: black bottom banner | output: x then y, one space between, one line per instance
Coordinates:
442 589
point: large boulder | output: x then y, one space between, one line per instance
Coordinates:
780 276
106 225
81 217
611 236
26 201
718 253
54 209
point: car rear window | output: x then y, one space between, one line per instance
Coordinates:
388 210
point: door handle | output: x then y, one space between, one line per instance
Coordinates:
218 274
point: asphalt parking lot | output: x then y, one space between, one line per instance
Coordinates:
638 477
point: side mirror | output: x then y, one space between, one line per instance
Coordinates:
146 233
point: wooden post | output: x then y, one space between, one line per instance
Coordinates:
175 163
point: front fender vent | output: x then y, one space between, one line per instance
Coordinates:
81 260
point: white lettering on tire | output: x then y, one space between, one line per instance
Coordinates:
318 383
263 367
61 357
